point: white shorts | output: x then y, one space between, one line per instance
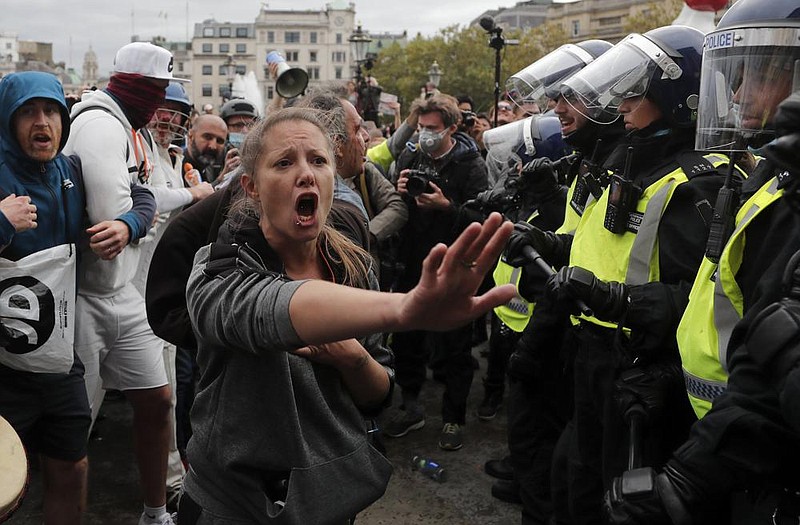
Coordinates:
115 342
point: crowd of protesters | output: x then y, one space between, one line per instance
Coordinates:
257 283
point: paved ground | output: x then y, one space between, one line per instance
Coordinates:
411 498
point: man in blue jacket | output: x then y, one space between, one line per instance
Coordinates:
42 218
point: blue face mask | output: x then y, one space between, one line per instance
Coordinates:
236 139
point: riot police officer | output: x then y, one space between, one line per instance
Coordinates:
746 444
633 256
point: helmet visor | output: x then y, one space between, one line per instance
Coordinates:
746 73
622 72
541 80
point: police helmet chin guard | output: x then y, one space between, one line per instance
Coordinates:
751 63
662 65
522 141
540 81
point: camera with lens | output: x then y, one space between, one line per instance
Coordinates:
419 181
468 119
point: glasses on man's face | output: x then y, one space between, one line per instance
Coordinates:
504 107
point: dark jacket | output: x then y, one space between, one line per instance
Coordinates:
461 176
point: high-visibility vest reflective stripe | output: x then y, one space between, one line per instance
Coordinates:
715 306
635 257
517 312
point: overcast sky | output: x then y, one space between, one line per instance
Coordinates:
73 25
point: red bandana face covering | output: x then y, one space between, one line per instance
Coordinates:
139 97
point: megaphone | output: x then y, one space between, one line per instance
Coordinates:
291 81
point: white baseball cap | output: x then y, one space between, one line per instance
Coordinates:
146 59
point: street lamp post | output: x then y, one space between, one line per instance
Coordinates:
368 95
230 71
435 74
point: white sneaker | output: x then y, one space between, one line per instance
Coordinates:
164 519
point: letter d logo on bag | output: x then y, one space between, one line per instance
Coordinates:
27 310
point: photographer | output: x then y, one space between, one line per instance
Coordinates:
448 171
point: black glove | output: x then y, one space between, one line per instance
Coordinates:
648 387
608 301
497 199
642 497
539 172
525 234
773 339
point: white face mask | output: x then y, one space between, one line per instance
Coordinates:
430 141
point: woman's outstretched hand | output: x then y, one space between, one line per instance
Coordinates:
445 297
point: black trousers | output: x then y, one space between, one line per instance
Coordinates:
538 411
451 357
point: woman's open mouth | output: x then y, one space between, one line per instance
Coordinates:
305 207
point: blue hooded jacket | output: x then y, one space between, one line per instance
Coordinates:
55 187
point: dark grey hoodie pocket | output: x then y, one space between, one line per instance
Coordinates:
335 491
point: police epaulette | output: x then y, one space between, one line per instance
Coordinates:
695 164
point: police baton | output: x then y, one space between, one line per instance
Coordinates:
532 255
635 416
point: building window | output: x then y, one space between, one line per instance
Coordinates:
241 69
207 70
208 31
312 56
610 21
180 67
224 48
241 32
291 37
337 73
8 44
338 56
270 92
313 73
292 56
241 49
270 37
312 37
207 48
576 28
338 38
207 90
225 32
225 90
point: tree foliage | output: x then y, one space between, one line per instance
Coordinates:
656 14
467 62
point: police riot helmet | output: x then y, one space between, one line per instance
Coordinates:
662 65
521 141
541 80
238 106
751 62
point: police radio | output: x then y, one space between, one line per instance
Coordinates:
591 181
723 221
623 195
